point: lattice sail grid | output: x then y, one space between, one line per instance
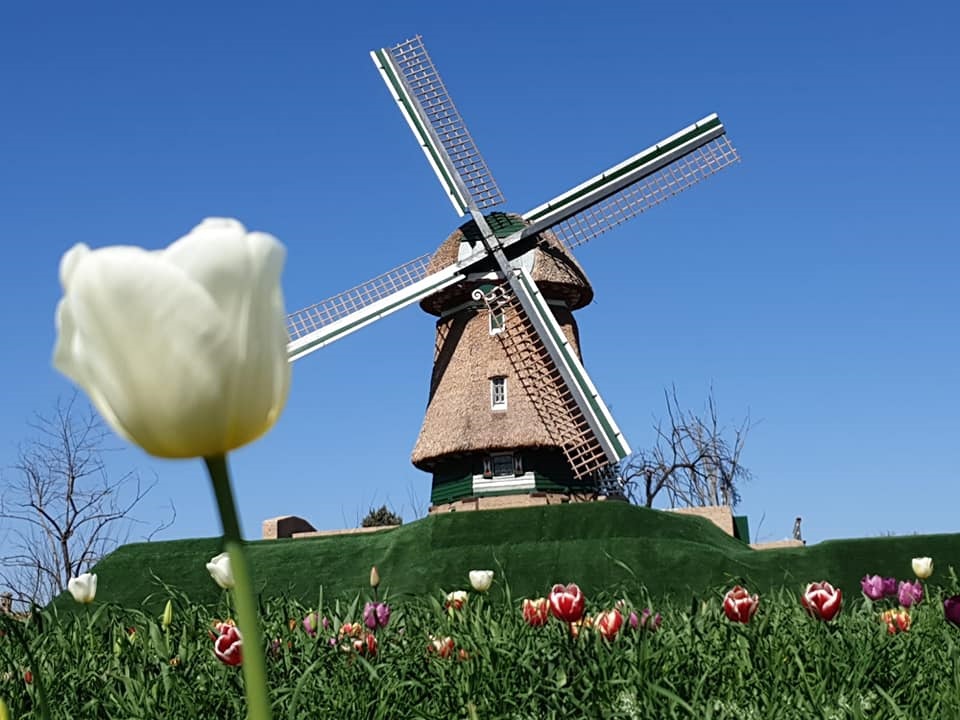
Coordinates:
428 89
546 389
303 322
647 192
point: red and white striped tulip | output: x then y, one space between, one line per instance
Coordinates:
567 602
822 600
739 605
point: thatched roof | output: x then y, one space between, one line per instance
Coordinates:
556 272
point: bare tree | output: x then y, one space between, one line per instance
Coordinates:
61 511
694 461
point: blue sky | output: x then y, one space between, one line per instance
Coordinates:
812 285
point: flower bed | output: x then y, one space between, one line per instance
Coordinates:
730 654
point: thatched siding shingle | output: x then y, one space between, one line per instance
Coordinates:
459 419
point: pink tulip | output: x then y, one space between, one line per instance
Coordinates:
909 593
376 615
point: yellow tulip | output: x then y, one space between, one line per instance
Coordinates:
183 350
922 567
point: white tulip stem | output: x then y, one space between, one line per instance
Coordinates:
254 667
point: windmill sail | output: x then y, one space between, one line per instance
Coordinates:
549 370
416 85
638 183
318 325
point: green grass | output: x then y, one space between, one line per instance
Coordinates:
784 665
602 546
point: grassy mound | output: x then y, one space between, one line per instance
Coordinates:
602 546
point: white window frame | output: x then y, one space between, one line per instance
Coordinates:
498 392
497 320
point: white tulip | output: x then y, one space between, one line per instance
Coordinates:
481 580
922 567
83 587
220 570
183 350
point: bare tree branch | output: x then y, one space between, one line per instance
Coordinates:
61 512
694 461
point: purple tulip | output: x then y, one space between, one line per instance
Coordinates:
951 610
909 593
376 615
874 586
646 620
889 587
310 624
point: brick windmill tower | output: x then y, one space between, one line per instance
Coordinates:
511 408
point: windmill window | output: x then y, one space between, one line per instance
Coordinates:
502 465
496 321
498 393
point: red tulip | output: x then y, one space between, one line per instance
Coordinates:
822 600
442 647
366 644
228 643
455 600
566 602
608 623
739 605
536 612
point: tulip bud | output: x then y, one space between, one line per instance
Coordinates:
536 612
480 580
83 588
455 600
951 610
567 602
822 601
228 643
609 623
922 567
873 587
220 570
909 593
167 618
896 620
374 577
183 351
739 605
442 647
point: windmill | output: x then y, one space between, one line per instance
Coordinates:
511 407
